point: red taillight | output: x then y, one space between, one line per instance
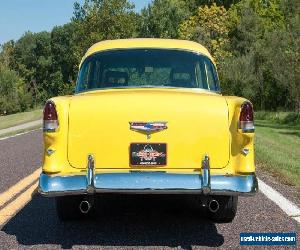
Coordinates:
246 123
50 117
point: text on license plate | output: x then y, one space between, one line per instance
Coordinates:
148 154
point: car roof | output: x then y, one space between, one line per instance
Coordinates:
153 43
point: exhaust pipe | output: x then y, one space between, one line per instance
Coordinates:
85 206
213 206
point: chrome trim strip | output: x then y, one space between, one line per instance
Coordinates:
206 175
147 182
90 175
148 127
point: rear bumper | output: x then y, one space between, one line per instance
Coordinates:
147 182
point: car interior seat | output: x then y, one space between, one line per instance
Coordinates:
115 79
180 77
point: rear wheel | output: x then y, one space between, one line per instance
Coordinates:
227 209
67 207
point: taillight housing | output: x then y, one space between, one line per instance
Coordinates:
50 120
246 121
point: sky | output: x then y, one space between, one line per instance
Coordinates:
19 16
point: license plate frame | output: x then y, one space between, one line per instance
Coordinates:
148 154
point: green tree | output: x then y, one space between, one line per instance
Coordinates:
251 23
161 18
58 86
13 96
24 57
43 56
284 59
225 3
210 27
98 20
32 60
63 57
6 54
250 20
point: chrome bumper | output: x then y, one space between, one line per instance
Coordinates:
148 182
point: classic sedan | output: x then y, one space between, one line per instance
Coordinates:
148 117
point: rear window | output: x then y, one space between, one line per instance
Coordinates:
130 68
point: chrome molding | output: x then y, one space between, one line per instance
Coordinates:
148 127
90 174
206 175
245 151
50 151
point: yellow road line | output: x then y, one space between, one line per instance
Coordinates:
13 207
17 188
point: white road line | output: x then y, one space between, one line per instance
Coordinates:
297 218
287 206
23 133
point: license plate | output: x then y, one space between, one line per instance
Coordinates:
148 154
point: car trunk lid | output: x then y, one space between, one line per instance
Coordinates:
197 124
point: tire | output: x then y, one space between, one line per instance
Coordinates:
67 207
227 209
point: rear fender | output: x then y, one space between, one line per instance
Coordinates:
55 143
241 144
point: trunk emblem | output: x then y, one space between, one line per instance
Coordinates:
148 127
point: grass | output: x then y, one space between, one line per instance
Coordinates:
19 118
277 148
287 118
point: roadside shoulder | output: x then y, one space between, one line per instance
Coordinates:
289 191
20 128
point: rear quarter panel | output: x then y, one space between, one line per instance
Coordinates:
239 162
58 141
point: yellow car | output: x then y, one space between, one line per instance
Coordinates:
148 117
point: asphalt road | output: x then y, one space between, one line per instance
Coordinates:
124 222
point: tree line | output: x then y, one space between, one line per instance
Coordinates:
255 44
